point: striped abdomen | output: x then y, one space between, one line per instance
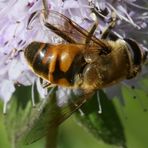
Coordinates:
56 63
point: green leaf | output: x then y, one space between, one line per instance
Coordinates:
106 126
16 117
28 124
138 94
48 115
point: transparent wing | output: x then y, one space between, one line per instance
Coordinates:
68 29
49 115
64 27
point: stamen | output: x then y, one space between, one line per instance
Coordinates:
32 94
81 112
122 17
15 30
99 103
10 56
138 6
5 107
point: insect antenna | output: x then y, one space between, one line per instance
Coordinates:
5 107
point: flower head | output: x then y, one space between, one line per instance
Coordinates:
15 34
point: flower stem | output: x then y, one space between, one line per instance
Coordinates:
51 138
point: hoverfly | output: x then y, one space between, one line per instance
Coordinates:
84 62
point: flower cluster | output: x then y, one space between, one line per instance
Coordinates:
15 34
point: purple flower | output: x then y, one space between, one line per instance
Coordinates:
15 34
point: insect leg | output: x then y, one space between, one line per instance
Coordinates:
111 25
46 85
93 28
91 33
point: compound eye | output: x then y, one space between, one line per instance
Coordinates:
135 51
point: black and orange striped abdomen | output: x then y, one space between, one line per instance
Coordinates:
56 63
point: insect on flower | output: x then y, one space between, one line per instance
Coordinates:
84 62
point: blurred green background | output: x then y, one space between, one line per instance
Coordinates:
73 135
